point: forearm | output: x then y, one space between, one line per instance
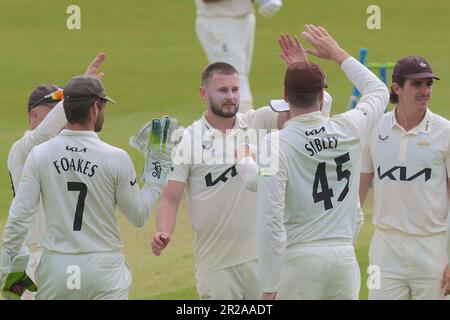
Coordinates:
23 208
166 217
47 129
365 81
20 220
272 236
271 229
138 205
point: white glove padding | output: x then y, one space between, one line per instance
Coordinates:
12 271
154 140
268 8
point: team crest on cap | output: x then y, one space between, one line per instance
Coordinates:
423 64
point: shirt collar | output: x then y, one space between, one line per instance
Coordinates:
423 127
67 132
239 122
309 117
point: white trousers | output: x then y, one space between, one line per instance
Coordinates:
230 40
83 276
319 272
411 267
238 282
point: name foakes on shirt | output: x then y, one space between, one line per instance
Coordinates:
77 165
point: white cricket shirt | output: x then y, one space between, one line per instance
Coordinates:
222 212
81 180
410 174
224 8
47 129
312 198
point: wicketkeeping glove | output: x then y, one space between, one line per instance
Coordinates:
268 8
12 272
154 140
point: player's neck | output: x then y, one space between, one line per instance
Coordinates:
80 126
295 112
408 118
219 123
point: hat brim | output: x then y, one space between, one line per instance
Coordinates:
421 75
279 105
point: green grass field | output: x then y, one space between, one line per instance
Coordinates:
153 68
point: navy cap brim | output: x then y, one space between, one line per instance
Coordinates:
421 75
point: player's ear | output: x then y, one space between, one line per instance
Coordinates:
285 96
203 93
395 87
33 116
94 109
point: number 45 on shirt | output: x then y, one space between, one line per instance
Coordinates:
321 179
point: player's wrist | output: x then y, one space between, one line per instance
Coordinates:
340 56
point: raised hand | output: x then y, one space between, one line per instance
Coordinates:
325 46
94 67
292 49
154 141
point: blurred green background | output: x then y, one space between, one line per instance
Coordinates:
153 68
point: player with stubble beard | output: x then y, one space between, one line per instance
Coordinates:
222 212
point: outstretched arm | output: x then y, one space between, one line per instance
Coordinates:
167 215
375 95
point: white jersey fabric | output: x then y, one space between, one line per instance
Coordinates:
248 168
222 212
410 174
224 8
47 129
226 31
410 211
80 180
312 198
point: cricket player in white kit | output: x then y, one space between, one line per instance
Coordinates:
81 180
226 31
307 207
407 156
292 52
46 118
222 212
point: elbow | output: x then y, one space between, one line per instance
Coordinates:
386 95
383 92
